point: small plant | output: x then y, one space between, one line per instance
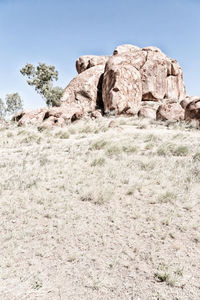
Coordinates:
162 276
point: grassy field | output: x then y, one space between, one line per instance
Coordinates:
99 211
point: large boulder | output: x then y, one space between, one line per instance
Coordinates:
88 61
192 110
162 77
154 76
85 90
170 111
122 87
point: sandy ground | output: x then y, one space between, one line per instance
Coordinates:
92 212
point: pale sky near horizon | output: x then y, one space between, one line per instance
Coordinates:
58 32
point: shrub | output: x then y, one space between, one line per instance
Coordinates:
181 151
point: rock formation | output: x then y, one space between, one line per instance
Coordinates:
132 81
85 90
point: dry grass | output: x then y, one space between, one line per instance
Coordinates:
92 212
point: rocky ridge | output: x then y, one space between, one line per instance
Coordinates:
132 81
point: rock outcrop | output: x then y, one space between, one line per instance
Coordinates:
142 81
160 78
49 117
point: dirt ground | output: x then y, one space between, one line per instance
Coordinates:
98 212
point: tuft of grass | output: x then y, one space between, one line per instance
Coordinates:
130 149
98 197
149 146
196 156
98 162
98 145
165 276
147 166
87 129
62 134
171 149
164 149
113 150
151 138
162 276
180 151
167 197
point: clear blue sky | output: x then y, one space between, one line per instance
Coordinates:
59 31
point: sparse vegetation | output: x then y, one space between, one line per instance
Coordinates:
105 210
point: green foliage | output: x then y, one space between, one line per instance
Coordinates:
41 77
13 103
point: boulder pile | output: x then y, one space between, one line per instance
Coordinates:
132 81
